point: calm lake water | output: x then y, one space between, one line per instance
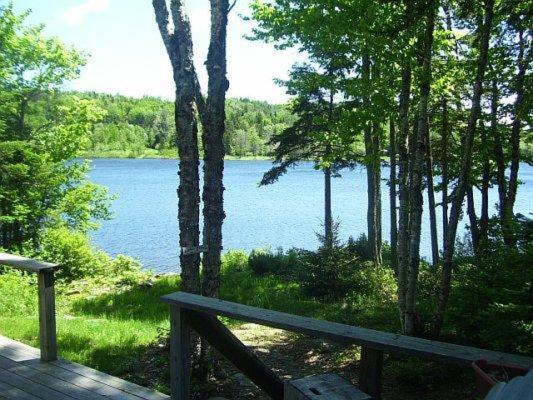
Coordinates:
286 214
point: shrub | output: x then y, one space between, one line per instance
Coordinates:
491 302
359 247
264 261
234 261
78 259
328 272
73 252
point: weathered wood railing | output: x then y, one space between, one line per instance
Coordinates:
46 293
188 311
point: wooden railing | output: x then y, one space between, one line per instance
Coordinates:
47 314
188 311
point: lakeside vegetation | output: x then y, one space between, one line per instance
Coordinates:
475 292
110 316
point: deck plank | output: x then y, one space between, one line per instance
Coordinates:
34 388
113 381
24 376
56 384
9 392
100 388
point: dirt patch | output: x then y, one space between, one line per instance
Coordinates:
293 356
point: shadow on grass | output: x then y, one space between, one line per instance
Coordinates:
137 303
127 361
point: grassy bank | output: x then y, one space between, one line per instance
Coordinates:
116 327
116 323
156 154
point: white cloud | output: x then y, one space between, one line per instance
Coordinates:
75 15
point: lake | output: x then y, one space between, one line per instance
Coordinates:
286 214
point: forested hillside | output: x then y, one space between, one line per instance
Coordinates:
135 127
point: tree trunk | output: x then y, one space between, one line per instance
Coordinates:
373 176
213 121
471 211
457 202
392 197
431 201
328 219
508 207
485 183
328 214
445 177
498 150
180 51
415 217
403 186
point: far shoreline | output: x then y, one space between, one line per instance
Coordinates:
160 156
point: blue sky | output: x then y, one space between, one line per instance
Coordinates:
128 57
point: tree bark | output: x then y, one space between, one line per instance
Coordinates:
431 201
457 202
485 183
471 211
415 218
498 149
508 207
371 133
213 121
328 219
328 214
403 186
445 132
392 196
179 48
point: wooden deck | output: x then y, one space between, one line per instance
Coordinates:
24 376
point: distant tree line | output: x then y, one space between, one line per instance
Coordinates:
133 125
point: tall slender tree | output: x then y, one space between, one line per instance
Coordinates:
462 184
213 121
179 46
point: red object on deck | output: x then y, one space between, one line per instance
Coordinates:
485 374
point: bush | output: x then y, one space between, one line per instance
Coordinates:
78 259
359 247
264 261
328 272
491 302
234 261
73 252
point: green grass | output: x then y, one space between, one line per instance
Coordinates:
103 331
111 328
157 154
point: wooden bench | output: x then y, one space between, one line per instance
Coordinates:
47 304
189 311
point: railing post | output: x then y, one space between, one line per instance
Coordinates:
47 315
370 371
180 354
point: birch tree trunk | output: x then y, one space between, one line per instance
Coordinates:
403 187
415 218
392 196
180 51
431 201
485 183
457 202
373 175
472 216
445 177
518 110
